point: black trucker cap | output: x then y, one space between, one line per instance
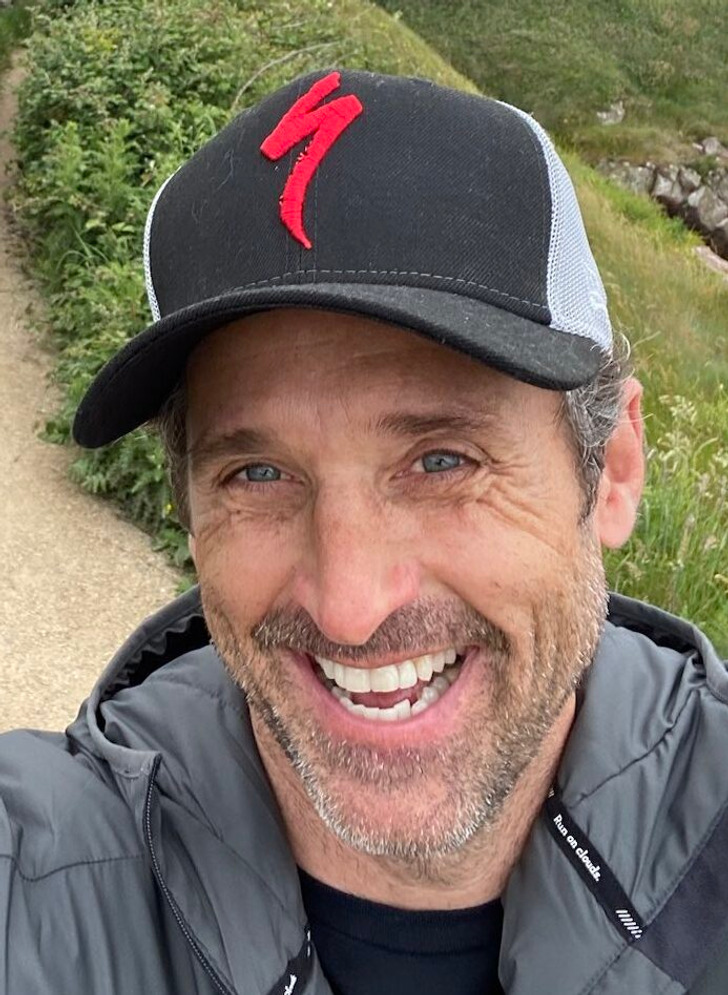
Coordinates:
439 211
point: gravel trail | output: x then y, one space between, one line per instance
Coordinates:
77 579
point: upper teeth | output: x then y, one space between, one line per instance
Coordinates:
390 678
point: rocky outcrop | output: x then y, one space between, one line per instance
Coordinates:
615 114
710 259
699 198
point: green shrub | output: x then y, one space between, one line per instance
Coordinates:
14 25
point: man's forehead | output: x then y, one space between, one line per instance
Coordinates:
273 369
297 345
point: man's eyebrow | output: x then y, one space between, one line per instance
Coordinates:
409 425
211 447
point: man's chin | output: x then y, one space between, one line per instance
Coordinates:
406 813
420 833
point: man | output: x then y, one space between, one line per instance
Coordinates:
399 746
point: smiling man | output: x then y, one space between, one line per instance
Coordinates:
425 592
400 740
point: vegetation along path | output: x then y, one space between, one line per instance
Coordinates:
76 578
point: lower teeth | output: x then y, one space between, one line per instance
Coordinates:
403 709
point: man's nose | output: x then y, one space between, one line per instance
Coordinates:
355 571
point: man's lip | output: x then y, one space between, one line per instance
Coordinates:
384 661
432 723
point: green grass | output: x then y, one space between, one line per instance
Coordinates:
667 60
680 547
117 95
674 312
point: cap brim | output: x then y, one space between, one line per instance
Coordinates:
133 386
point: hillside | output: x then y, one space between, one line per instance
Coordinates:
667 62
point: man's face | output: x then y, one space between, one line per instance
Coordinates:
364 496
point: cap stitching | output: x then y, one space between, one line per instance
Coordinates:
387 272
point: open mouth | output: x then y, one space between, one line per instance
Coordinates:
395 692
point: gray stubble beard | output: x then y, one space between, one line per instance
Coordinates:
565 635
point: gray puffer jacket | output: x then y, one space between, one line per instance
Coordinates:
143 852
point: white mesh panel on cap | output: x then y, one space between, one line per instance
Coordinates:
574 289
151 293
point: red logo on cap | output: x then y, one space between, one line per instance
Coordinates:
325 123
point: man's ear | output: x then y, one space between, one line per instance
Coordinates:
192 546
623 478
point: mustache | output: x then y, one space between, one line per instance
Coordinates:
421 626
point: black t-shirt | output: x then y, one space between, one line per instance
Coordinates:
370 949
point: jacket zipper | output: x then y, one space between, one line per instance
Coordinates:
206 965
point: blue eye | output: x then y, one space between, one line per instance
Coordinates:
260 473
440 462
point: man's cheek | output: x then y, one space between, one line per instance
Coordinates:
242 583
501 578
485 558
207 524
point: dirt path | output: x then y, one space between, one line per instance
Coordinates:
76 579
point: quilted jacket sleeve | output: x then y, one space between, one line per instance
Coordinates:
79 911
